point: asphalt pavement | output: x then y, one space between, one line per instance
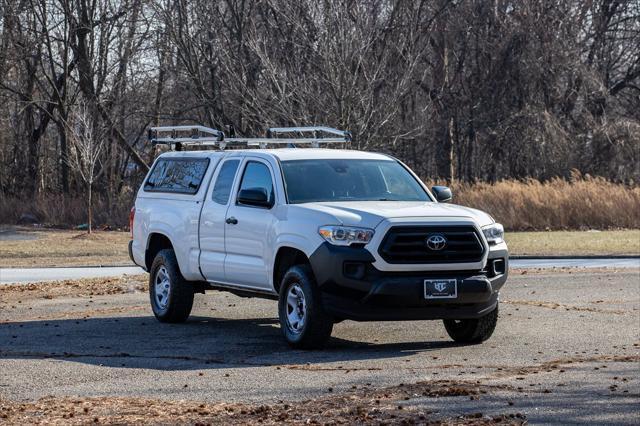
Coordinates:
28 275
566 350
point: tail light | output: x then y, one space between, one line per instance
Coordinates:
132 215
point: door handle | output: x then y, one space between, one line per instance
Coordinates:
232 220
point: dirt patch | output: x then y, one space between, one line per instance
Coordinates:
568 270
360 406
12 293
320 368
561 306
557 364
94 236
84 314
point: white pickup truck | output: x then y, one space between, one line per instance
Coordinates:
330 234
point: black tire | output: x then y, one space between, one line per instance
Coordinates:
313 331
173 305
472 330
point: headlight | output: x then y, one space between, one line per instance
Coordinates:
344 235
494 233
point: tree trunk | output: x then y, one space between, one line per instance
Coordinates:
442 113
80 48
64 158
89 212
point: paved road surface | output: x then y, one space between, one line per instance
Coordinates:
25 275
566 350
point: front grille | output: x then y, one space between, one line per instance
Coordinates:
408 244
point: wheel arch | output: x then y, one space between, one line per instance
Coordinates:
155 242
286 257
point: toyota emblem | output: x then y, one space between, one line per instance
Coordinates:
436 242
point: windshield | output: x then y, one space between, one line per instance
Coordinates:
350 180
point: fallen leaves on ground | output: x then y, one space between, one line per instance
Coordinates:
10 293
361 406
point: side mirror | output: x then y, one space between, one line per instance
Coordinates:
254 197
443 193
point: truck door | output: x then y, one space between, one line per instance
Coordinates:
247 237
212 221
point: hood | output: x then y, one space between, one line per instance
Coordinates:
369 214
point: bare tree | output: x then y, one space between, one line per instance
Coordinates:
466 90
87 146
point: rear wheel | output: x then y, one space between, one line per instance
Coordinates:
472 330
304 323
170 294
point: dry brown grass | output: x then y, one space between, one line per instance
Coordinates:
626 242
51 247
580 203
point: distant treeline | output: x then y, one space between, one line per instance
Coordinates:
463 91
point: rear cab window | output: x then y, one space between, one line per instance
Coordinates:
177 175
224 181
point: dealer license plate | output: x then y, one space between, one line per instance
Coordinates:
441 289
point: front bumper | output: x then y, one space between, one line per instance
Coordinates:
354 289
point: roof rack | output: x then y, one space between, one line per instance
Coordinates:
178 137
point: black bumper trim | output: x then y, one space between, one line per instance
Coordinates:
368 294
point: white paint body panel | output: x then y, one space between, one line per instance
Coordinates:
243 255
249 243
212 233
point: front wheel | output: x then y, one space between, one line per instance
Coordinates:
472 330
171 295
304 323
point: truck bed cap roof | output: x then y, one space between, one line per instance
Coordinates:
286 154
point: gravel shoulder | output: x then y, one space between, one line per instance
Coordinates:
566 350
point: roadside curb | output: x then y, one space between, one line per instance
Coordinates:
566 257
121 265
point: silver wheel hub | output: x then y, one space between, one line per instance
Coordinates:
296 309
162 284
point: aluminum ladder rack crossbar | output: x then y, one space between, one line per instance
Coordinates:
290 142
313 129
181 136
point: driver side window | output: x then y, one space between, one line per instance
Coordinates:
257 176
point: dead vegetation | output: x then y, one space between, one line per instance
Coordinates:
558 204
40 247
598 243
364 405
562 306
10 293
66 211
580 203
